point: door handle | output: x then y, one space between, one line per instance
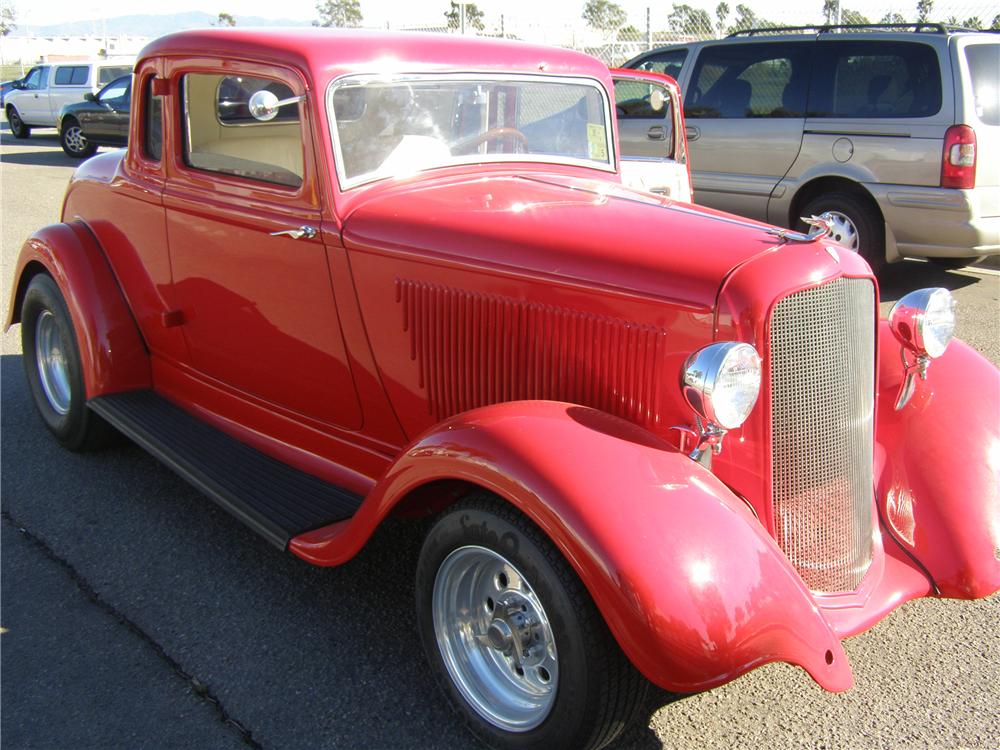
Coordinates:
656 133
692 133
297 234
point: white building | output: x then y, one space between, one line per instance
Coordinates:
29 50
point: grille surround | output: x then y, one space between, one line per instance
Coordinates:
822 399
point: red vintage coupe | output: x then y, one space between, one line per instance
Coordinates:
338 276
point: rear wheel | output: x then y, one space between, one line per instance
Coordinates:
73 141
17 126
513 637
52 366
855 225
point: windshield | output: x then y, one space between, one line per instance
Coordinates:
397 126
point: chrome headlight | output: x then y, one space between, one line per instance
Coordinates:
924 321
721 383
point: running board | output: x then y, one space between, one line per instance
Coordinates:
272 498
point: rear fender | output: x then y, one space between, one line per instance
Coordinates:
693 588
112 352
940 467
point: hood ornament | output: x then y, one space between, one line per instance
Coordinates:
820 226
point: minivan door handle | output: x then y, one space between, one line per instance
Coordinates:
692 133
656 133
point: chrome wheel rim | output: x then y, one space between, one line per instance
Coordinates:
843 231
53 367
495 639
75 139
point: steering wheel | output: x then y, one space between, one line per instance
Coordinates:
492 134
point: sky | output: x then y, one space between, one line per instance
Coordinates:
377 12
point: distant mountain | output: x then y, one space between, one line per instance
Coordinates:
145 25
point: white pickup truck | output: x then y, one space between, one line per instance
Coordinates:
37 98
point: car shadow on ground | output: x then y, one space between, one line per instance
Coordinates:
907 275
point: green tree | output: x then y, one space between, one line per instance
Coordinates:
924 8
345 14
721 16
973 23
892 18
7 19
226 19
688 20
473 17
995 24
629 33
604 15
853 16
831 11
747 19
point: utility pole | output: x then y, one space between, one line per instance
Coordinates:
649 31
461 18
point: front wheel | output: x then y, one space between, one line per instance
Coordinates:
73 141
855 225
17 126
513 637
53 368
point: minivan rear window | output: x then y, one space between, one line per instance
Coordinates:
875 80
984 70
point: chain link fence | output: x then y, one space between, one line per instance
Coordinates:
614 33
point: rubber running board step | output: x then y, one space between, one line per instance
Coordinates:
272 498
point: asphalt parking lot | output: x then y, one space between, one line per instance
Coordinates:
137 614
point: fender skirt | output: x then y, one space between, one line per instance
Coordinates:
112 352
693 588
940 467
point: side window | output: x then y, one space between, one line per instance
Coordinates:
34 79
152 142
106 75
71 75
222 136
117 90
749 80
668 62
636 100
876 79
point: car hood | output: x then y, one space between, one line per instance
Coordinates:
594 232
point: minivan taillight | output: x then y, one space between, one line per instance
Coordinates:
958 162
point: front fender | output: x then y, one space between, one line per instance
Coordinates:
112 352
938 485
692 586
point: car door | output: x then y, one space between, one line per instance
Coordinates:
249 267
651 133
32 101
106 121
744 106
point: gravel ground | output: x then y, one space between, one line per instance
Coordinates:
137 614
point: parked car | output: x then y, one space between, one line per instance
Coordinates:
893 130
652 441
37 99
100 120
651 133
6 87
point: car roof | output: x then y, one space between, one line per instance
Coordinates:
331 52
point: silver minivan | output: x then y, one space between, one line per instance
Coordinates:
893 130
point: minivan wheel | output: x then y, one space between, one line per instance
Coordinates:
856 225
514 639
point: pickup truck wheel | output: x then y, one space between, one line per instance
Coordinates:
513 638
73 141
52 365
17 126
856 225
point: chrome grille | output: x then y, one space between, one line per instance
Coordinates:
822 407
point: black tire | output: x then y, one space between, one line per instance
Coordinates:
868 221
79 428
952 264
598 694
73 141
17 127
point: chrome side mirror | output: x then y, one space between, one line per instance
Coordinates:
264 105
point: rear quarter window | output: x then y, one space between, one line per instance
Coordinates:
877 79
984 72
